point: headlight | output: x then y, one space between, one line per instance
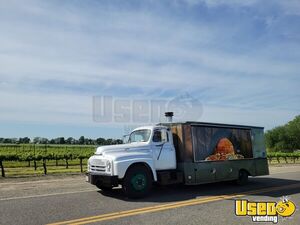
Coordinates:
108 166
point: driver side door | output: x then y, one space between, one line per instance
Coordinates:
163 151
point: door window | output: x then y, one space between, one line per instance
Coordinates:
160 136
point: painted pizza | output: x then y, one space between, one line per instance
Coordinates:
224 151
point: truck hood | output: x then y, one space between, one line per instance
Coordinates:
123 148
124 155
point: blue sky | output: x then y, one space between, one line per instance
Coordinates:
238 59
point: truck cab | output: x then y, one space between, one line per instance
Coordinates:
136 164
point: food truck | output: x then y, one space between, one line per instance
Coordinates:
187 153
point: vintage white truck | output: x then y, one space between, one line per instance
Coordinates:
187 152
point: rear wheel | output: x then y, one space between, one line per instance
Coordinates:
137 182
243 177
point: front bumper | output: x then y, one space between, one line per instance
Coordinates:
102 180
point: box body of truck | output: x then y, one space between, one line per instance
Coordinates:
200 160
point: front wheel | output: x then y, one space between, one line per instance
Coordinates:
137 182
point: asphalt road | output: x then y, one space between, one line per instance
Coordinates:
69 200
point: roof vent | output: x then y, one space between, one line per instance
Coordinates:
169 116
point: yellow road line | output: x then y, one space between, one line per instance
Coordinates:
116 215
127 211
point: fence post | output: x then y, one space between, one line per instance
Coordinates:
45 167
81 170
2 168
278 159
34 164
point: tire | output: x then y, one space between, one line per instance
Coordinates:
243 177
137 182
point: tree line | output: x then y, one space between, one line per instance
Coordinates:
285 138
61 141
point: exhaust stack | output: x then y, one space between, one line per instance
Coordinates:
169 116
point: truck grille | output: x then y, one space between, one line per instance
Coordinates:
98 165
97 168
98 162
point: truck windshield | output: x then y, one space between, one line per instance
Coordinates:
139 136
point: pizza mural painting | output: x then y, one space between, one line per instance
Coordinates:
215 143
224 151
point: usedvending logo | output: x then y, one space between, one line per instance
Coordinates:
265 211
